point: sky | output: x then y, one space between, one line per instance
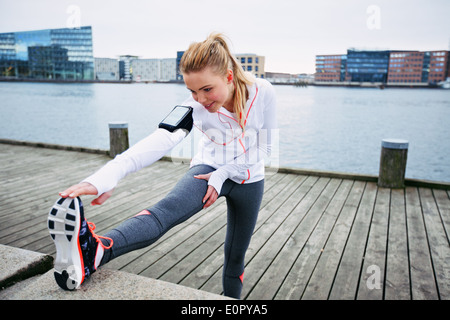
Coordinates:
289 33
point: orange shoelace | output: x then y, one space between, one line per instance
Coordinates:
91 226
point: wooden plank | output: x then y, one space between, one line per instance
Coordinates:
397 284
41 203
439 244
264 227
443 205
286 222
279 249
120 211
297 278
321 280
42 180
38 232
346 281
371 286
199 276
55 191
423 283
183 267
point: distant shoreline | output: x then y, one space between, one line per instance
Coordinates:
296 84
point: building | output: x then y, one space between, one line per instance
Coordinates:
57 54
331 68
168 71
392 67
405 67
125 68
252 63
163 70
145 69
106 69
436 66
288 78
367 66
179 76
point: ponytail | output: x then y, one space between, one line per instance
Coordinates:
214 52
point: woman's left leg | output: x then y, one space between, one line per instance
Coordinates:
243 203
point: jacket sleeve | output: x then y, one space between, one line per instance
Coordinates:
142 154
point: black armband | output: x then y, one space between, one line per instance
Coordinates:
179 118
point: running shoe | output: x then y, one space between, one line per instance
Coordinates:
78 249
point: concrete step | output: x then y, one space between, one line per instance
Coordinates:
27 275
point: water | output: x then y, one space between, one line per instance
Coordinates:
336 129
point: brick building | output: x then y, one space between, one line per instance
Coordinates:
330 68
405 67
395 67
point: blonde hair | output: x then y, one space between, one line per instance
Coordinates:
215 53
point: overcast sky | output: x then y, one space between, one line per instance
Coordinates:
289 33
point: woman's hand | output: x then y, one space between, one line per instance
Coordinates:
211 194
85 188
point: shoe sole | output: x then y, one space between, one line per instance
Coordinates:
64 226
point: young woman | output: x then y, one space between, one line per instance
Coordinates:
236 115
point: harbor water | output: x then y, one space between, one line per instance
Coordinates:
321 128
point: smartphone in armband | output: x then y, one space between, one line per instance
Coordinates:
179 118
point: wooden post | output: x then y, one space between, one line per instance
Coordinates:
393 163
118 138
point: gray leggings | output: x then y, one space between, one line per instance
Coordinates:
185 199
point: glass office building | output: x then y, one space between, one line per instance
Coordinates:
367 66
55 54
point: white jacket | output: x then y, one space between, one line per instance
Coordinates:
235 154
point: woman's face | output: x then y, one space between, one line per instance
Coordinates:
211 90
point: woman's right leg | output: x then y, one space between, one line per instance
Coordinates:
145 228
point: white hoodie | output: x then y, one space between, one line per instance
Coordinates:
235 154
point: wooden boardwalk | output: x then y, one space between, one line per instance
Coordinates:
316 237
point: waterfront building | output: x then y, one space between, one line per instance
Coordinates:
392 67
252 63
154 69
179 76
288 78
331 68
56 54
280 77
145 69
405 67
125 69
436 66
168 69
367 66
106 69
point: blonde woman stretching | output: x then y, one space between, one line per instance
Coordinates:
236 114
